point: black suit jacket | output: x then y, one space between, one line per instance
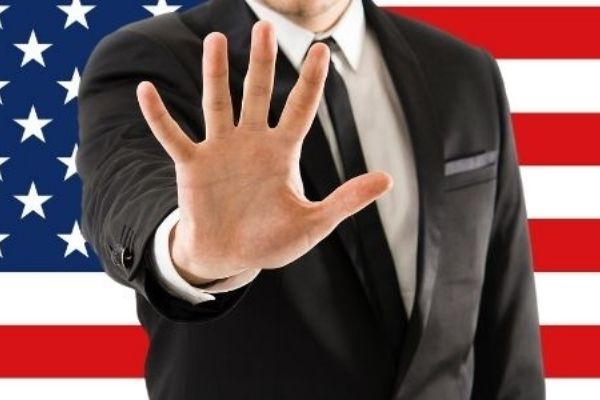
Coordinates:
307 331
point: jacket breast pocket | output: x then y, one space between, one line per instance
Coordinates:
470 170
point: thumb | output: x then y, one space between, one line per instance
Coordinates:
354 195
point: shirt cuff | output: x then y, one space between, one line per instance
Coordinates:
174 283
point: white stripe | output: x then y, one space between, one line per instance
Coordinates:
572 389
568 298
64 298
72 389
134 389
485 3
562 191
93 299
552 85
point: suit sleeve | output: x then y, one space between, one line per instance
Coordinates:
129 182
508 360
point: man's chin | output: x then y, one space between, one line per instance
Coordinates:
303 9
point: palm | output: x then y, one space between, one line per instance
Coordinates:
248 195
239 191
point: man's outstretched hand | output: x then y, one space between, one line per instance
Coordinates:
239 191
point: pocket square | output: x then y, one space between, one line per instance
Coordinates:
471 162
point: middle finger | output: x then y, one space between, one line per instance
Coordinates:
258 83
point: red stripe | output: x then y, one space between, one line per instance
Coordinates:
562 245
119 351
557 139
519 32
571 351
72 351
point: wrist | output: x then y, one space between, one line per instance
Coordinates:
182 265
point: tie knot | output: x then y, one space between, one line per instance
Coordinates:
329 41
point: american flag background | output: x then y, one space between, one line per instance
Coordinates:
69 332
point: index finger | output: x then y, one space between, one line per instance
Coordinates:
301 105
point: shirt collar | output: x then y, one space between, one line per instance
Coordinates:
294 40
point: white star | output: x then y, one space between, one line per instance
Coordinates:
72 86
2 237
2 161
2 84
33 202
76 13
75 241
70 163
33 50
33 125
161 7
2 9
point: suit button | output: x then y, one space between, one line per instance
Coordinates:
126 257
120 256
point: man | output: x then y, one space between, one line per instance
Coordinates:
300 228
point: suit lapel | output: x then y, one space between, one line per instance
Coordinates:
412 89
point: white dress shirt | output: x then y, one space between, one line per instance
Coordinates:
383 135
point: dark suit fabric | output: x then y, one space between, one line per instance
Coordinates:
308 331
